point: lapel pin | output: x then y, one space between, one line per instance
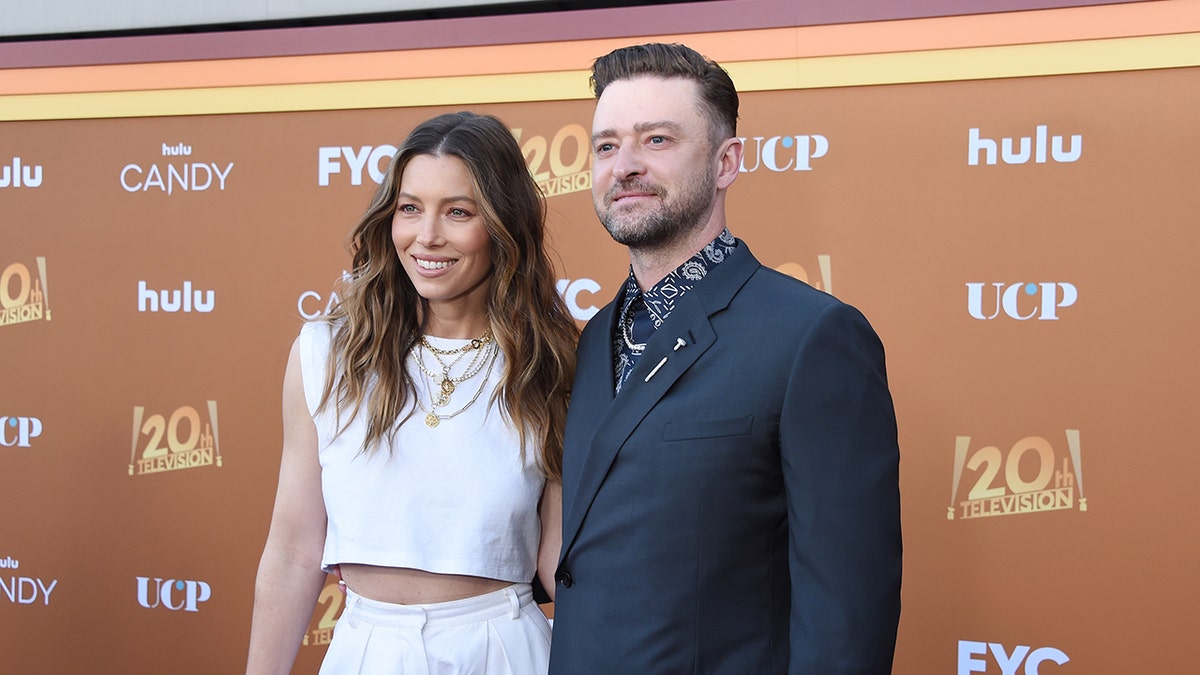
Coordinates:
652 372
679 344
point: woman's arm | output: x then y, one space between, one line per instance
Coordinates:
550 511
289 573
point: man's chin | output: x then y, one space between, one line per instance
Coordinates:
640 237
623 235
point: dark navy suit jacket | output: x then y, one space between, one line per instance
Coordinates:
739 511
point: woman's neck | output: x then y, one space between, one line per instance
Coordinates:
452 325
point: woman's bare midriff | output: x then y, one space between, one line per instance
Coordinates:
404 586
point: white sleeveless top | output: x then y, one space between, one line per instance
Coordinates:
455 499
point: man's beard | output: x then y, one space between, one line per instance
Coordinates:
674 218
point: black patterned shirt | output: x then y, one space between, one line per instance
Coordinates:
642 313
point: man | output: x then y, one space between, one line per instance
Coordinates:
730 470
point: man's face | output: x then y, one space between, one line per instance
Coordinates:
653 176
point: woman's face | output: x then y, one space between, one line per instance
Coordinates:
439 233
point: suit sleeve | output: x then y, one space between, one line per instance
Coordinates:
840 461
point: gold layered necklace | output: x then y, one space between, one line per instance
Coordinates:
483 352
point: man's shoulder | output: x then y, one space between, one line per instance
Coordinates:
763 279
775 286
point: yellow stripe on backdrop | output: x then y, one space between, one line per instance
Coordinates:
976 63
1134 53
299 97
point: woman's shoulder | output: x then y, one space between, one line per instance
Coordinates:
315 340
320 329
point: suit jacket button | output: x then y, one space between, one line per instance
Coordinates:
564 578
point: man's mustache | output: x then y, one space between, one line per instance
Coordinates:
631 186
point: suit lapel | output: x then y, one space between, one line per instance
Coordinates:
674 349
591 396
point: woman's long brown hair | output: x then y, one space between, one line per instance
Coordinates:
381 317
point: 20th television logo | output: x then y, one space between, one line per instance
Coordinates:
23 295
565 155
1031 476
181 440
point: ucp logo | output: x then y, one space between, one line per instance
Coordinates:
18 430
1053 297
1009 663
782 153
570 291
192 593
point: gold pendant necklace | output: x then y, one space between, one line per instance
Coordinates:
433 419
484 352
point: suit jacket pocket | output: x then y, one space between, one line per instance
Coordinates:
723 428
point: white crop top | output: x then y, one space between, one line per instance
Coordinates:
455 499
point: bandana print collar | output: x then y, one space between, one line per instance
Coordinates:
661 299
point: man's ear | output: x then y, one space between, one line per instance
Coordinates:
729 162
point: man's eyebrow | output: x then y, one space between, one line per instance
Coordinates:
641 128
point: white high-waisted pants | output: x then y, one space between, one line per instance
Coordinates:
498 633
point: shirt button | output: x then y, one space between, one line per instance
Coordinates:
564 578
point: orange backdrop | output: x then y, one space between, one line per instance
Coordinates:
1010 198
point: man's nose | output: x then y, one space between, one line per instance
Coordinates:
628 162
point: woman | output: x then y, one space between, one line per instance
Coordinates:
423 426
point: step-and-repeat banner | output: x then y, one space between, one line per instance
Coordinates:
1023 244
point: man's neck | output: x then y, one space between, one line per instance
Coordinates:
652 264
